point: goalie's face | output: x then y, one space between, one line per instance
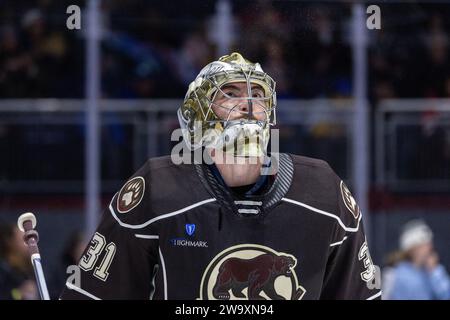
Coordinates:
237 101
229 106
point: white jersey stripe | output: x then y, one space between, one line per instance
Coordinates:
146 236
249 202
79 290
163 216
164 273
253 211
301 204
374 296
339 242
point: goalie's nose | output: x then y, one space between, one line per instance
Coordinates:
246 108
251 110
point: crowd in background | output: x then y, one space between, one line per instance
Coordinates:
17 281
156 48
414 271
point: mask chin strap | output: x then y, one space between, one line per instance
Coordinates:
249 93
250 109
249 99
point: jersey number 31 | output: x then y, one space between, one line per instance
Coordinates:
97 247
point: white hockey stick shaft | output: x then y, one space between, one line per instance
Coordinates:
40 278
26 223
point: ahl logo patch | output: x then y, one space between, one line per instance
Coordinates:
251 272
349 201
131 195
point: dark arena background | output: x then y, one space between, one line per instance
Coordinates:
81 109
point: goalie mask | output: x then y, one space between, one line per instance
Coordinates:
229 106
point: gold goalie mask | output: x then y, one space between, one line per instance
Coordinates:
229 106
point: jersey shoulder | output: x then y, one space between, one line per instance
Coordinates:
158 188
316 184
313 181
311 162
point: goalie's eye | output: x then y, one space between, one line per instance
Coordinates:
230 93
257 93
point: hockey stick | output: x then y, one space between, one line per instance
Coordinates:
27 223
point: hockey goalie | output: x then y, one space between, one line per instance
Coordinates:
234 221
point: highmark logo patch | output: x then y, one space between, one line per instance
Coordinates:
190 229
182 242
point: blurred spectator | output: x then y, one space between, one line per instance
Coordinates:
194 54
16 69
152 51
258 22
16 272
276 65
437 63
418 275
74 249
387 281
431 160
72 253
383 90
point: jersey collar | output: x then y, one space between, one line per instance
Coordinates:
252 203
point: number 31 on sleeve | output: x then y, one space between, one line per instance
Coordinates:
89 259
